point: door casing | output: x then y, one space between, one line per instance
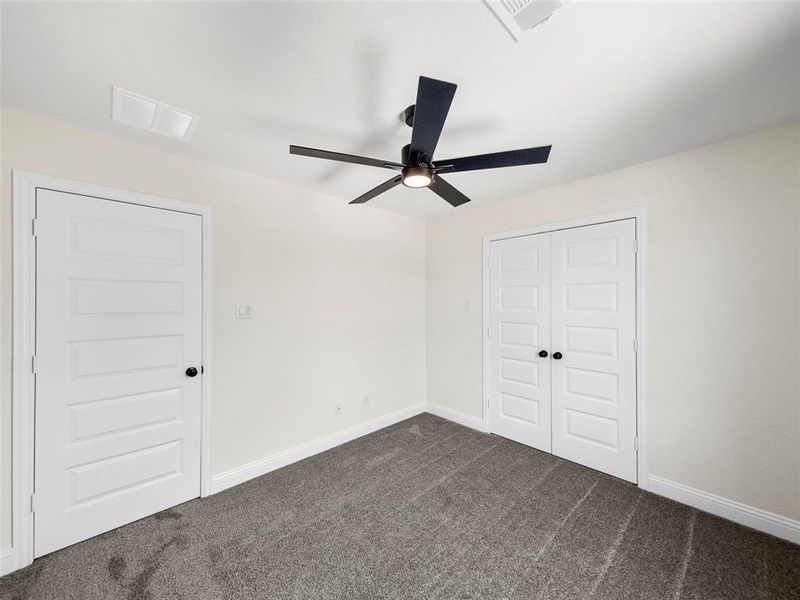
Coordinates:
24 186
640 217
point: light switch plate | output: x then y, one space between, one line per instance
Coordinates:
244 311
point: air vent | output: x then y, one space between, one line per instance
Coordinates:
520 16
145 113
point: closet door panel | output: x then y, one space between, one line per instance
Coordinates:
593 319
519 386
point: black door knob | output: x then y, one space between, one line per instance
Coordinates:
543 353
557 355
191 372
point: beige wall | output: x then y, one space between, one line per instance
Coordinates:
338 292
723 396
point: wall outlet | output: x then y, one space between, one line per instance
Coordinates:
366 400
468 307
338 408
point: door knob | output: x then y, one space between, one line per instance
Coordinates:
557 355
191 372
543 353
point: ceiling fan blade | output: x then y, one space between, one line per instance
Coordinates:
510 158
384 187
433 103
348 158
448 192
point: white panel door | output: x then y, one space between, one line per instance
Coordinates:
519 329
118 322
593 328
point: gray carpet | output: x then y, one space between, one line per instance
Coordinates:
424 509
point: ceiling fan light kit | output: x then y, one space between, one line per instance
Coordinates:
417 176
417 168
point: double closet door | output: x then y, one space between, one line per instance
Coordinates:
562 344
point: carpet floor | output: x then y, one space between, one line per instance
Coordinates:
425 509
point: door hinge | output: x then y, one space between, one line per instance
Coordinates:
33 502
35 227
488 402
488 262
636 444
33 364
635 345
636 246
488 332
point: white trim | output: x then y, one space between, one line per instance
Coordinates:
762 520
262 466
207 356
640 216
24 327
456 416
22 383
619 215
8 562
642 237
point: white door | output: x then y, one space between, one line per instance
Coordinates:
118 322
593 328
519 328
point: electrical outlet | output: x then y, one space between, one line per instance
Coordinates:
467 307
338 408
366 400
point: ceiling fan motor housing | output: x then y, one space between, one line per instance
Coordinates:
408 159
416 173
405 154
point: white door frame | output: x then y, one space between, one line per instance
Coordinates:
24 189
640 216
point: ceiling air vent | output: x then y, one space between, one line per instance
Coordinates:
520 16
145 113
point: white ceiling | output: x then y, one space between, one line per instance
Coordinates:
609 84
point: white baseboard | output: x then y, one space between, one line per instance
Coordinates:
762 520
456 416
8 562
262 466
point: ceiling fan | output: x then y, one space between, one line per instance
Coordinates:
417 167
